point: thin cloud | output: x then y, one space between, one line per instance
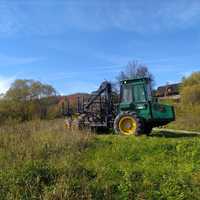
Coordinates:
53 17
137 16
117 61
6 60
79 86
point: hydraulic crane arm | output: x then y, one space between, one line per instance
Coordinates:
104 87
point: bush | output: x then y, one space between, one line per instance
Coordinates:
190 95
188 109
190 89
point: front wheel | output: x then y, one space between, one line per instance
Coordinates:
128 124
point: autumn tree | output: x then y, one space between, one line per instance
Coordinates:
27 99
190 89
24 90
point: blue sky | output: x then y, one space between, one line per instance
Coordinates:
75 45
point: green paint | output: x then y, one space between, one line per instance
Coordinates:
137 96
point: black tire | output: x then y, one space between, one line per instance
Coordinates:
139 128
147 129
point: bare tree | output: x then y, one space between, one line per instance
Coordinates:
135 69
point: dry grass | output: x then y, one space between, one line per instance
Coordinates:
37 154
38 140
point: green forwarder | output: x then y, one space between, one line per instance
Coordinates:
137 111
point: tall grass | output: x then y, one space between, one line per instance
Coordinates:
42 160
36 156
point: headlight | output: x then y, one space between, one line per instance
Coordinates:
141 107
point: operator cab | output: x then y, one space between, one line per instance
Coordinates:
136 90
136 96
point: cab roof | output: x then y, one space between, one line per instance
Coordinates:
135 80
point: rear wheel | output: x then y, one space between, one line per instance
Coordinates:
128 124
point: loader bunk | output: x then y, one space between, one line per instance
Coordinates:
97 113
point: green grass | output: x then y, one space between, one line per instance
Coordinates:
146 167
41 160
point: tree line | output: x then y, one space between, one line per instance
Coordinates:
29 99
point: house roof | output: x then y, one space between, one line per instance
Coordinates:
171 88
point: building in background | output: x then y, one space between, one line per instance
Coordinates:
169 91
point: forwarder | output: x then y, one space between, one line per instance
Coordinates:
136 113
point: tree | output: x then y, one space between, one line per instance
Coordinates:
193 79
24 90
135 69
190 89
27 99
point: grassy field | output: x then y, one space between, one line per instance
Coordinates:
41 160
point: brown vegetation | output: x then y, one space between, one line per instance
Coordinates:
188 109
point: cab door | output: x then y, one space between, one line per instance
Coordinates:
141 101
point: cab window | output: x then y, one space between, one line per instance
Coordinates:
139 93
127 94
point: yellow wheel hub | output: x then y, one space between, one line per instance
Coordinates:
127 125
